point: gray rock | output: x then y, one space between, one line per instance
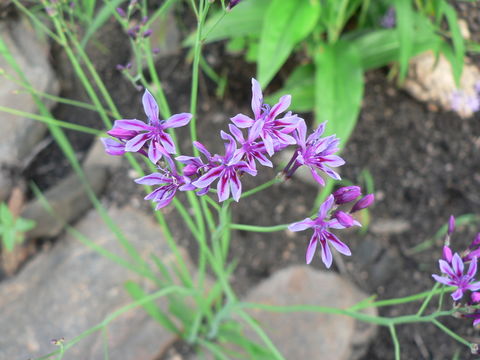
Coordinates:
69 201
97 156
5 185
304 335
70 288
18 136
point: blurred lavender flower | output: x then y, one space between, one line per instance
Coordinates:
389 20
137 133
316 153
121 12
272 130
232 4
227 169
455 277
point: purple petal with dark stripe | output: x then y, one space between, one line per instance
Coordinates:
177 120
150 105
280 107
113 147
312 246
137 142
209 177
168 143
132 124
223 190
242 121
257 98
153 179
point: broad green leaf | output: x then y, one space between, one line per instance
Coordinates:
247 19
136 292
405 31
457 39
338 88
287 22
301 86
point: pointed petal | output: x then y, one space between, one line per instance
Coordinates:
442 280
302 225
235 187
457 294
242 121
325 207
457 265
340 246
312 246
223 189
255 130
472 269
150 105
209 177
153 179
131 124
168 143
154 153
280 107
474 286
136 143
301 133
113 147
268 142
202 149
317 177
257 98
262 159
177 120
446 269
326 254
237 133
333 160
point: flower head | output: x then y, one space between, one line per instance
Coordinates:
316 153
227 170
271 129
152 135
456 277
321 234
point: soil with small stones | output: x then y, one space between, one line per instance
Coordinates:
425 166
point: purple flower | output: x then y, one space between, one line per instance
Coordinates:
121 12
272 130
251 150
316 153
346 194
321 234
137 133
227 169
455 277
169 180
363 203
113 147
389 20
451 225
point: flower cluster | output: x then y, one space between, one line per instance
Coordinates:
452 267
250 142
462 101
329 217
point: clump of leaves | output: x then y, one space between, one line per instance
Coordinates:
12 228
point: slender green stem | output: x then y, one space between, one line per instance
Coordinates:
261 229
396 344
259 188
427 299
450 332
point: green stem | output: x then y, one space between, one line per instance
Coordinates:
261 229
450 332
427 299
396 344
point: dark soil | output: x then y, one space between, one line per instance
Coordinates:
426 166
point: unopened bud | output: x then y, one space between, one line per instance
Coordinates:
345 219
451 225
346 194
147 33
363 203
447 254
121 12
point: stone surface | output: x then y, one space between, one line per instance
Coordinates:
97 156
312 336
18 136
70 288
389 226
68 200
430 79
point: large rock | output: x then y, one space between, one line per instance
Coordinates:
307 335
70 288
19 135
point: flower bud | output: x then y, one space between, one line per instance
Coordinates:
451 225
346 194
147 33
344 219
121 12
363 203
447 254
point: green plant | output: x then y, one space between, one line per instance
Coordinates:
12 229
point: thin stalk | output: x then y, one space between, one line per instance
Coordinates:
427 299
261 229
450 333
396 344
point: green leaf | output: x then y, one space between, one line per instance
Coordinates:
458 42
247 19
24 225
405 31
300 84
338 88
136 292
287 22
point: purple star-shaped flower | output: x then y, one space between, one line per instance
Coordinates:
250 149
316 153
169 180
322 235
455 276
272 130
136 133
227 169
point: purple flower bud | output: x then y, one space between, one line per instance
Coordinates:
475 297
121 12
363 203
451 225
346 194
144 20
447 254
156 51
345 219
232 4
475 242
147 33
132 33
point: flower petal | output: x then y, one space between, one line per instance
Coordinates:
209 177
137 142
280 107
457 265
235 187
301 225
442 280
153 179
326 255
242 121
472 269
325 207
150 105
457 294
340 246
113 147
177 120
223 189
167 143
445 268
237 133
312 246
131 124
257 98
154 152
